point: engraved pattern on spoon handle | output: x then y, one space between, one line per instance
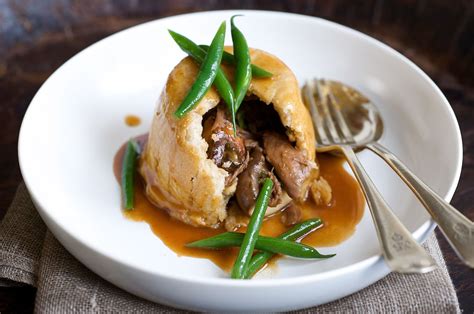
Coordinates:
457 228
402 253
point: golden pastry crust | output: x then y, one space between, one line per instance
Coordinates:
178 175
283 92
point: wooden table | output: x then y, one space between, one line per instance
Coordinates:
34 40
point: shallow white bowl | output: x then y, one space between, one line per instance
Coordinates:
74 126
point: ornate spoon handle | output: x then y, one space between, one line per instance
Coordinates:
456 227
402 253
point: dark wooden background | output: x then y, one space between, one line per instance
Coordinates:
37 36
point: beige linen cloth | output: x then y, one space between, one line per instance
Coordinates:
29 254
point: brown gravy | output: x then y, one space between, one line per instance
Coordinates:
132 120
340 217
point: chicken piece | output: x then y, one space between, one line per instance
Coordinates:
235 217
294 169
250 139
225 150
250 181
321 191
291 216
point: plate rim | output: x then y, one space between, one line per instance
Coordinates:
421 233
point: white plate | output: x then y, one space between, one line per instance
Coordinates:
74 126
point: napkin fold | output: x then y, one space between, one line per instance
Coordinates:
29 254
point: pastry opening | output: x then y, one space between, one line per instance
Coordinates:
260 149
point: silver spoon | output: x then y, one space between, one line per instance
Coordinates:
361 118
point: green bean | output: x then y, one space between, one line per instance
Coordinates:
248 243
268 244
229 58
261 258
128 173
207 73
221 83
243 66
